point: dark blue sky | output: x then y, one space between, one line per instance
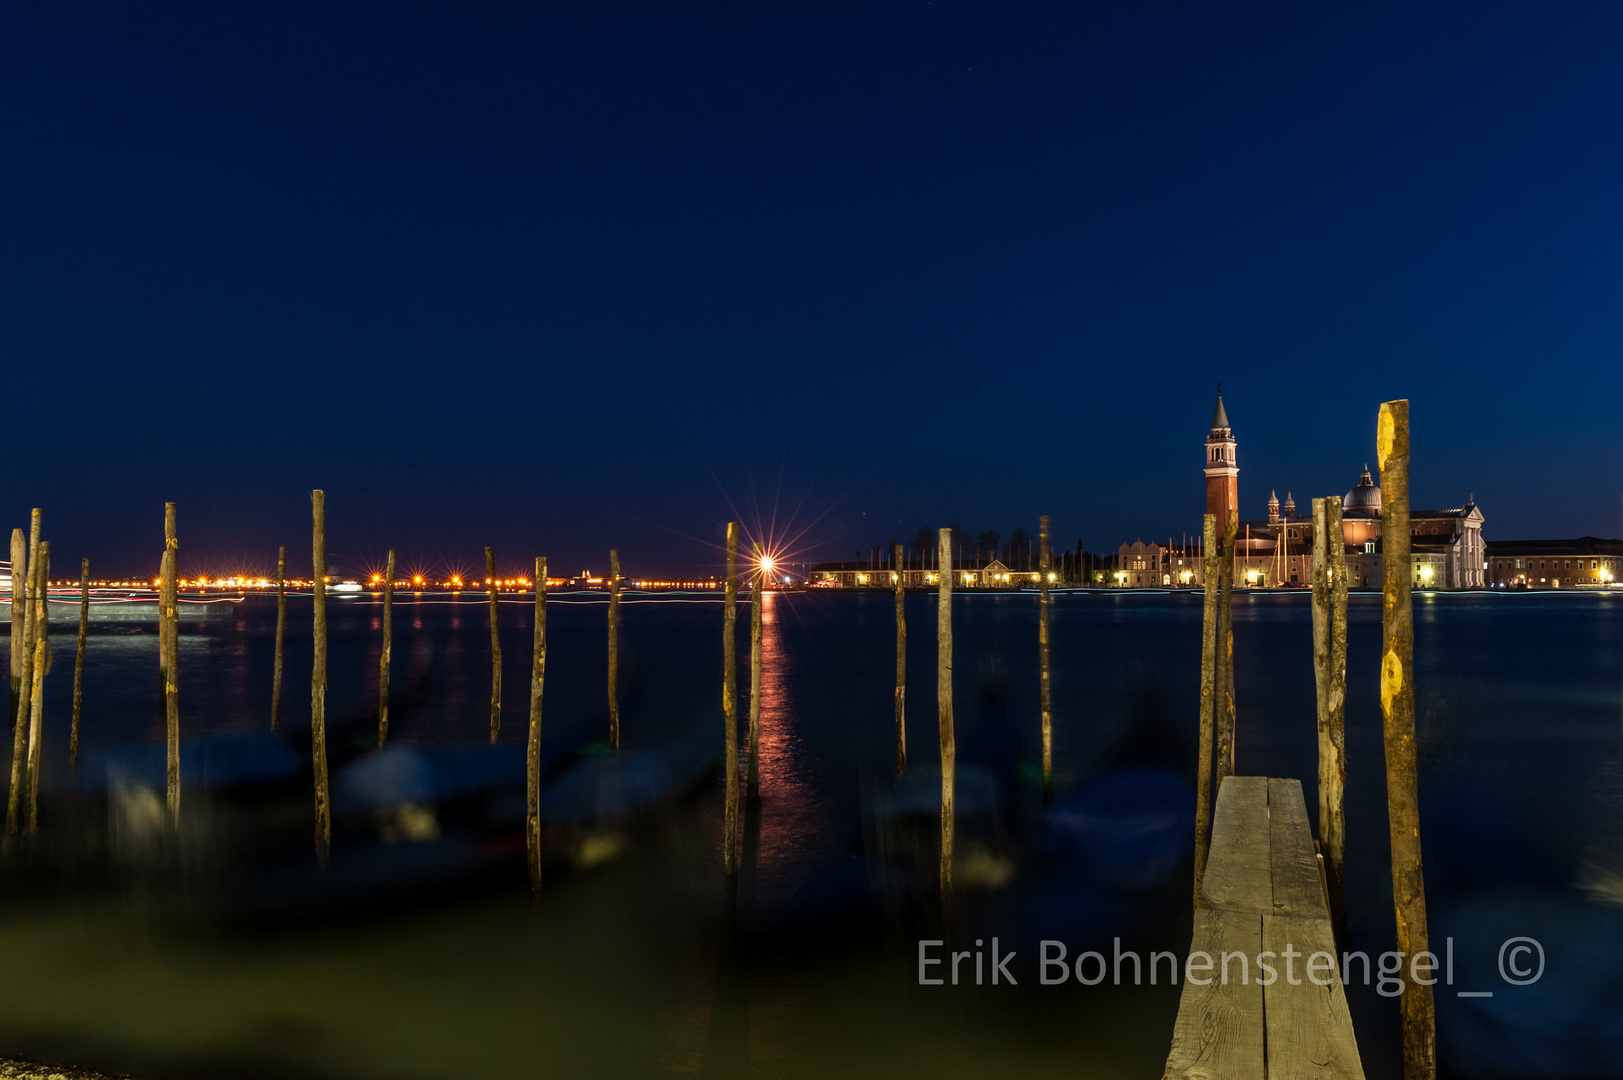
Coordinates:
565 277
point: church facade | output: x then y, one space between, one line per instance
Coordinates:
1447 549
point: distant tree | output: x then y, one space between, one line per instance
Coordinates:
986 544
963 545
924 539
1019 549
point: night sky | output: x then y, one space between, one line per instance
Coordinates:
560 278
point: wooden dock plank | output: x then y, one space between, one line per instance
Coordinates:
1238 867
1297 887
1219 1031
1310 1033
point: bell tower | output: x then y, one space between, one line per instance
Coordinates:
1222 467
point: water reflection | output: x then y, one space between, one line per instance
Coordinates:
793 814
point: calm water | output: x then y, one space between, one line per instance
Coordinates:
626 968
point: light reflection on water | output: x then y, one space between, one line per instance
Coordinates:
1520 735
793 814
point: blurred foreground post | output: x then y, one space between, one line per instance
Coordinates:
1397 716
318 671
388 648
614 648
943 697
729 700
756 590
532 751
495 649
899 560
1043 566
281 624
169 642
42 662
1330 682
1225 654
79 662
1208 698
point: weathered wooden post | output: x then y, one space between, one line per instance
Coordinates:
756 575
1330 682
19 615
495 649
532 750
900 584
1397 714
281 624
1043 566
169 642
318 671
1225 654
79 662
729 699
19 734
42 627
943 696
42 655
614 648
1208 698
388 648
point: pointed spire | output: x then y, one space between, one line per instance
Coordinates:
1220 417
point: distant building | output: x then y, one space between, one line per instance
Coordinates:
1147 566
1446 547
1222 467
968 574
1587 562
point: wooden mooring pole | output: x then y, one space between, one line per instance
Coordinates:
495 649
42 663
614 648
19 615
1330 682
19 733
729 701
79 663
1397 715
943 697
281 625
1208 698
532 750
318 672
169 642
756 590
388 648
1225 654
900 562
1043 565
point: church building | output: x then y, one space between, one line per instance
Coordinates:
1447 549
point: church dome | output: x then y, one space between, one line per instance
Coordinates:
1363 499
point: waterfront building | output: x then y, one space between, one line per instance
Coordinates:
1447 548
969 574
1145 566
1587 562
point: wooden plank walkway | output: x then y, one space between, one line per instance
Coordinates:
1262 902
